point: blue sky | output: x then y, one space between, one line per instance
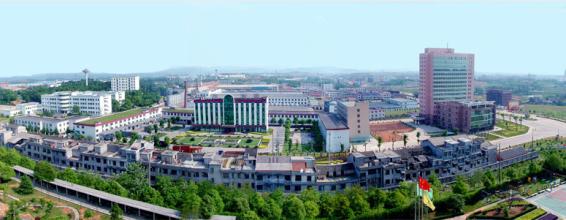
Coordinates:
126 37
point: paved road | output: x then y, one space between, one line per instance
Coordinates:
76 214
278 139
534 200
538 129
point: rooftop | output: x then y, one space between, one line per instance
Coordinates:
332 122
178 110
112 117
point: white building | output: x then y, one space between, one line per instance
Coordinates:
125 120
175 100
29 108
125 83
232 113
404 103
8 110
91 103
56 125
335 133
119 96
376 114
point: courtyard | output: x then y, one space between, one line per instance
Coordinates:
210 139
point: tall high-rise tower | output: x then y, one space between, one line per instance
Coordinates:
444 76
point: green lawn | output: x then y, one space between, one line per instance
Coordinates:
254 142
510 129
491 137
551 111
230 141
532 214
112 117
187 140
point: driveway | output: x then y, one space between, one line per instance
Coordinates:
538 129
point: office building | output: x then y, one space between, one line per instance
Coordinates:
125 83
275 98
232 113
444 76
500 97
90 103
465 116
29 108
356 117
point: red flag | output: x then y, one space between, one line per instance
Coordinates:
423 184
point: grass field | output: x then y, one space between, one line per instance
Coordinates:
56 213
551 111
532 214
193 140
510 129
209 140
491 137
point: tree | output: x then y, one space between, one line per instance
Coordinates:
358 201
376 197
171 194
342 208
553 162
405 139
134 179
6 172
511 174
456 203
45 171
419 137
249 215
294 208
155 128
488 179
76 110
460 186
379 141
68 175
311 209
26 186
116 212
118 135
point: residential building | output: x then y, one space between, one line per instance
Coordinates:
230 113
125 83
126 120
8 111
29 108
447 158
90 103
335 132
465 116
500 97
356 117
444 76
